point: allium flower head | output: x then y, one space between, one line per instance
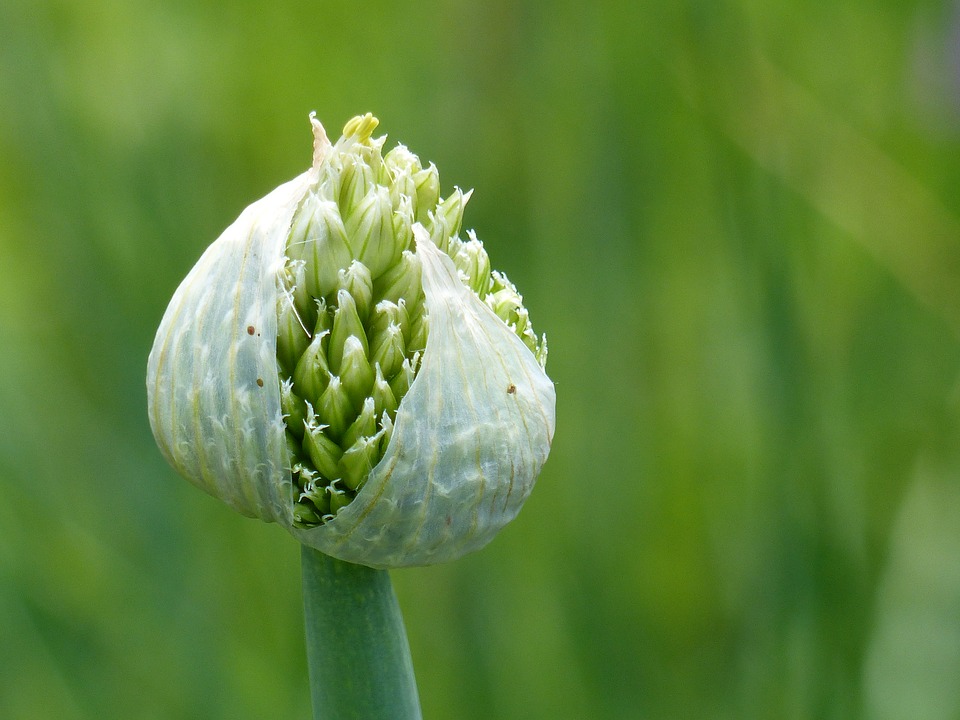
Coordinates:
342 361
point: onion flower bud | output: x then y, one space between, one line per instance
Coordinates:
341 362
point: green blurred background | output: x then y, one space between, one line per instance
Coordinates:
738 224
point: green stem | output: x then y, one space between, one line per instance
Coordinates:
357 650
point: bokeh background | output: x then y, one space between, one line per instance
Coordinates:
737 222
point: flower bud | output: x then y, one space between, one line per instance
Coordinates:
401 167
294 409
364 426
358 284
474 264
450 211
356 182
387 313
385 402
402 381
400 282
339 497
358 461
388 349
333 365
319 239
335 409
427 182
356 373
370 228
292 336
403 219
346 324
315 499
312 371
323 452
419 327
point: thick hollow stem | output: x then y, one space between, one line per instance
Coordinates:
360 664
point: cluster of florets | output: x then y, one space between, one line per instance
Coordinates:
352 323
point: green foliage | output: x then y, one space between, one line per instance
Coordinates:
737 223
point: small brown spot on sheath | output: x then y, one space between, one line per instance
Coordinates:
251 329
260 382
511 389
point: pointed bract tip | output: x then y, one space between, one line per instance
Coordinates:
321 143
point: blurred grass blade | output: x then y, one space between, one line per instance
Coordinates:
845 176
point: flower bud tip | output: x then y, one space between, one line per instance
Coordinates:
361 127
321 143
